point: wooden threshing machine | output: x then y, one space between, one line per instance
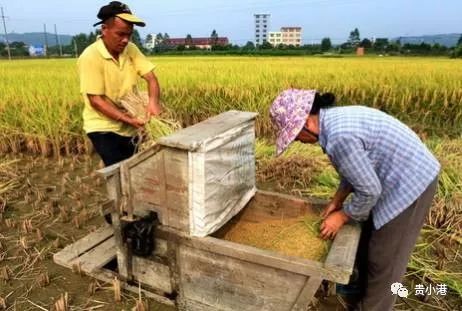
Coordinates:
191 184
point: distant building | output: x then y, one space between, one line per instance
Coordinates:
262 23
287 36
275 38
37 50
200 43
292 36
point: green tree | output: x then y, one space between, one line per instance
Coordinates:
354 38
457 51
80 42
159 38
326 44
366 43
162 43
136 39
91 38
249 46
214 38
3 51
381 44
53 50
149 38
18 48
266 45
425 47
188 41
394 46
460 41
159 42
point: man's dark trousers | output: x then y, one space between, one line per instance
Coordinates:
113 148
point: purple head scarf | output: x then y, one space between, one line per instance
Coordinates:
288 113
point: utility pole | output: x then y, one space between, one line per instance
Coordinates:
46 39
75 49
58 43
6 36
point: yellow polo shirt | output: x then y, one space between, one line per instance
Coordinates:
101 74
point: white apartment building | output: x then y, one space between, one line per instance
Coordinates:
275 38
292 36
262 22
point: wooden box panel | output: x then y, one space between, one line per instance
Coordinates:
152 273
225 283
176 188
147 181
211 274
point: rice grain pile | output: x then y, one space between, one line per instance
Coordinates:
297 237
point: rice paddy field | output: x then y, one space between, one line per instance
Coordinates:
50 196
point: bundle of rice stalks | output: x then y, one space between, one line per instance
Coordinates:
136 103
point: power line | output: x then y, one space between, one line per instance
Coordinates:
6 36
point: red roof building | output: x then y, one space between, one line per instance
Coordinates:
201 43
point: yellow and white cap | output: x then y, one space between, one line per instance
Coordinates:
119 9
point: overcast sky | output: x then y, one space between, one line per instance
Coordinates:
234 19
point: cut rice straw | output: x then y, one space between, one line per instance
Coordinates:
135 103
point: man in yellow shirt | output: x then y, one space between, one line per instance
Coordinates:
109 69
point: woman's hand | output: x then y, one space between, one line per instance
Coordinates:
332 224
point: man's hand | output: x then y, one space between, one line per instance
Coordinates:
153 110
332 224
136 123
331 207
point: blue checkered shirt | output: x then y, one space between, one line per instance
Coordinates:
384 161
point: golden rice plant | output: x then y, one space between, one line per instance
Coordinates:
40 103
